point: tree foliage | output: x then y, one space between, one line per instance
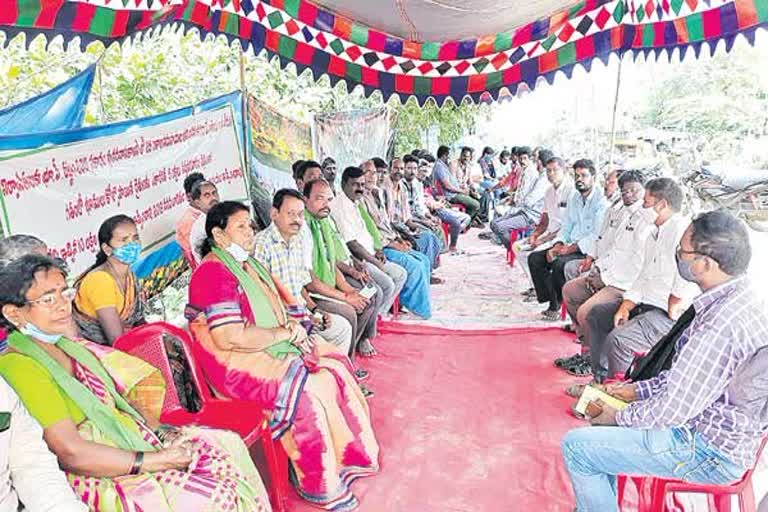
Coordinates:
171 70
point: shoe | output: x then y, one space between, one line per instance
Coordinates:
550 316
562 362
485 235
367 393
361 374
582 369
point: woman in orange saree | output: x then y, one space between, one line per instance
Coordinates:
251 349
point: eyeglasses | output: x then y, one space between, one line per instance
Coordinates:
51 299
680 252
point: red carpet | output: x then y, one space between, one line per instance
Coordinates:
468 421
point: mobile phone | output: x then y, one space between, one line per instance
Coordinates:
368 291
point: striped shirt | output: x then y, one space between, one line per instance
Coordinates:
730 326
284 259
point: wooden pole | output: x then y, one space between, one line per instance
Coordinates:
244 120
615 110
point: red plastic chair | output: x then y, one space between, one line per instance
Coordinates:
247 419
720 495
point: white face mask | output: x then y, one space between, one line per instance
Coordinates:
33 331
237 252
650 214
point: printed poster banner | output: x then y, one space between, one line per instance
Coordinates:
352 137
62 194
277 142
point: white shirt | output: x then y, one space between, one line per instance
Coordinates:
555 203
618 254
29 472
659 278
350 223
197 236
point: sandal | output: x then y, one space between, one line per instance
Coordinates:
436 280
367 393
361 374
550 316
583 369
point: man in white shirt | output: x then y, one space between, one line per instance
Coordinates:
29 472
658 296
389 277
555 203
613 263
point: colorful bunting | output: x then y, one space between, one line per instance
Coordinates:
327 43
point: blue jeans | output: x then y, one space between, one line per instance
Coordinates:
595 455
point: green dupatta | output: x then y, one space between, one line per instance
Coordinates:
327 248
264 316
94 409
370 226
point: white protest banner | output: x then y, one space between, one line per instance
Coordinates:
62 194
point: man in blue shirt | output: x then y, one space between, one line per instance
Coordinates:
447 185
581 226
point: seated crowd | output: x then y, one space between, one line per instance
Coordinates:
278 318
282 318
660 303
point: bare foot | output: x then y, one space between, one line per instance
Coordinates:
366 349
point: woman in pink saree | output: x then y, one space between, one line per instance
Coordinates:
252 349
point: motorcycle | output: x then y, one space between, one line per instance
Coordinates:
744 192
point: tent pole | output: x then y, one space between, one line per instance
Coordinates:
244 120
615 109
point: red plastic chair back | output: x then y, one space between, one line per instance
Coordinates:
147 342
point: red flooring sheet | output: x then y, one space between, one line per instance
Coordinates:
468 421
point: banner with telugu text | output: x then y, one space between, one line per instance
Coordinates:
277 142
62 194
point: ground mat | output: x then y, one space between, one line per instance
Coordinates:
467 421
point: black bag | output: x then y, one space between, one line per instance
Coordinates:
662 354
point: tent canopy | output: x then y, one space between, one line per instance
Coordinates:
362 43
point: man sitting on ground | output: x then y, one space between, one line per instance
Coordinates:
415 293
447 185
347 212
613 264
280 249
528 200
543 236
583 219
324 250
704 419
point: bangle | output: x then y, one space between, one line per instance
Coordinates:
138 461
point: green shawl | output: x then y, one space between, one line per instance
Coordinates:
327 248
370 226
263 314
95 410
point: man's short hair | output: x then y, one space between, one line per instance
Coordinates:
197 189
724 238
545 155
379 163
328 160
310 185
504 152
443 151
523 150
585 163
351 172
557 160
303 167
667 189
467 149
408 159
631 176
282 194
190 181
295 168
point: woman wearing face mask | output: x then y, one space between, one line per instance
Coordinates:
99 411
251 349
108 300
